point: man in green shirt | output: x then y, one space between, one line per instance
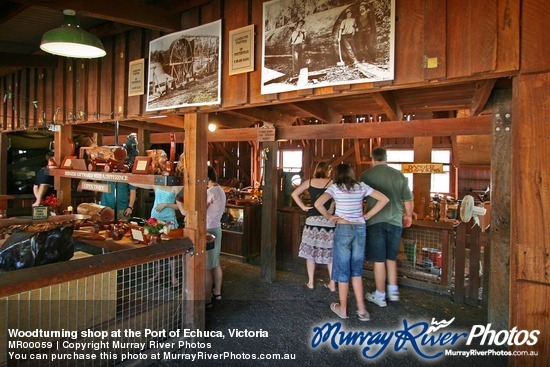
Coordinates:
125 199
385 228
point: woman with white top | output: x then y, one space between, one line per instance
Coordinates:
215 207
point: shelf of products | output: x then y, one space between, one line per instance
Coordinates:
130 178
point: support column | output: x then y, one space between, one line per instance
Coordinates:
269 211
3 163
194 193
422 181
62 185
501 177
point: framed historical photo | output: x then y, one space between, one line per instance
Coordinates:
68 162
136 75
241 50
141 165
319 43
185 68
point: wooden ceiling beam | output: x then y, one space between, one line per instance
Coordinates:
319 110
10 9
148 125
481 96
265 114
480 125
389 105
28 61
392 129
137 14
172 121
228 119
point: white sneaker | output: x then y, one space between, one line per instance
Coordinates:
371 297
394 296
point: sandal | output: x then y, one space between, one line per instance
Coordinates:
333 308
216 297
331 290
364 317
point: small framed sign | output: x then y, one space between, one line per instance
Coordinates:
266 134
141 165
241 50
68 162
40 212
136 78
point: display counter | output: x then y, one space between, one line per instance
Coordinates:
241 231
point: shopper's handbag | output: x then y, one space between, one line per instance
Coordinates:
210 241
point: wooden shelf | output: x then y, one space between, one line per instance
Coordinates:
130 178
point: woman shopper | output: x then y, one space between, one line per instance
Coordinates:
318 233
349 235
215 207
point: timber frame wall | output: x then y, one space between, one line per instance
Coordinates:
474 40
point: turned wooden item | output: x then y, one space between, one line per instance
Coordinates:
98 213
107 158
159 161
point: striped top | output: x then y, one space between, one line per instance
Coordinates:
349 204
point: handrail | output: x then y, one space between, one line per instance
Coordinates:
23 280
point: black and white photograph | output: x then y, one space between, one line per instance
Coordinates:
319 43
185 68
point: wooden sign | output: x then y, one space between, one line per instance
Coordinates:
95 186
266 134
422 168
40 212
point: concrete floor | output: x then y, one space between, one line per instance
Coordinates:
289 312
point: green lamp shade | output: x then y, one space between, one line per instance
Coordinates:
70 40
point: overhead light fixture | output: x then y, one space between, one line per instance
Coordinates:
212 127
70 40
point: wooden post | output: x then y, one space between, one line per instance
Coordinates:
62 149
529 210
142 144
422 181
501 157
194 193
269 211
3 163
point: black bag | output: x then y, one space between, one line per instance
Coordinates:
212 243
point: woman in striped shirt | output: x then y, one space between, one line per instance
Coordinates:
349 235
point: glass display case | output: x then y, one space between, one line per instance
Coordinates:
233 219
241 231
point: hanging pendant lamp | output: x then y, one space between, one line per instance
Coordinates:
70 40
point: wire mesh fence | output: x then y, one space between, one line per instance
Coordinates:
103 319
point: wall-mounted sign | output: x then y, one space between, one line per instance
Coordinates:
422 168
95 186
136 85
241 50
266 134
40 212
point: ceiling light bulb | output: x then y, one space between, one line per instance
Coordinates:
212 127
